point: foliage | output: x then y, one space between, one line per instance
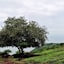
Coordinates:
7 51
21 34
17 52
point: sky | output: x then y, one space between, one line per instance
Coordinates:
48 13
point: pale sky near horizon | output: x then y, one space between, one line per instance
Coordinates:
49 13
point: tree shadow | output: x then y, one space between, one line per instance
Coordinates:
25 55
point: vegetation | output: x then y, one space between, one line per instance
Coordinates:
21 34
53 55
6 51
5 54
17 32
46 47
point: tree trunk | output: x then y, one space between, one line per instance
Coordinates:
20 50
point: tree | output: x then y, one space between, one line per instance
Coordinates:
21 34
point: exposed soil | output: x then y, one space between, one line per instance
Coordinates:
8 62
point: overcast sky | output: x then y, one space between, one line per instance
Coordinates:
49 13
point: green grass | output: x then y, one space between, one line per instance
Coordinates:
48 55
56 56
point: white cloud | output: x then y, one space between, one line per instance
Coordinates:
40 7
37 10
44 7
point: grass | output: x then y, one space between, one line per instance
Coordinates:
55 56
50 55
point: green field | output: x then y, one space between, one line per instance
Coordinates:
50 56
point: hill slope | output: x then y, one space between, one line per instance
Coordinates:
49 56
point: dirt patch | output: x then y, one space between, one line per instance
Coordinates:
8 62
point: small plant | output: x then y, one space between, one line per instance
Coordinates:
5 54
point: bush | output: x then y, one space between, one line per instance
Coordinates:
5 54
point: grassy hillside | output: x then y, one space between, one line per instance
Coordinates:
51 55
48 54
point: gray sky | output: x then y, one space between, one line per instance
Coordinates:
49 13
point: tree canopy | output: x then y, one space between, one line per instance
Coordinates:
21 33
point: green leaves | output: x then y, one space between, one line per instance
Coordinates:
19 32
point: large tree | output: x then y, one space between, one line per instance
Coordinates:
21 33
